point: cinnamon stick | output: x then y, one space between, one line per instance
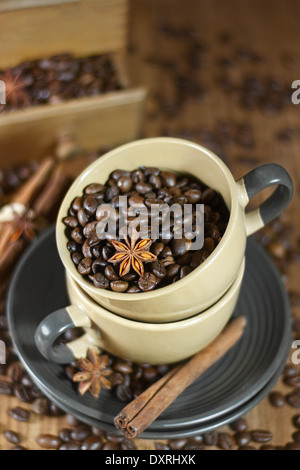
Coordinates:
50 198
25 196
144 409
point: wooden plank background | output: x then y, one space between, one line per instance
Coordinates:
269 27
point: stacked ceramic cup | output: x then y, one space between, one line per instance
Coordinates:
173 322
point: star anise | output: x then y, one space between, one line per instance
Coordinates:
24 225
93 373
132 253
15 88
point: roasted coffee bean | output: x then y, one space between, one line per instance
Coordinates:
26 381
292 446
76 204
41 406
124 393
161 446
133 290
90 205
6 388
19 414
112 192
77 237
55 410
15 372
92 443
193 196
82 217
296 421
150 374
147 282
130 277
107 252
211 438
35 393
293 381
143 188
180 246
126 444
98 265
277 399
77 258
113 438
268 447
84 266
72 246
110 446
72 421
49 441
261 436
81 432
90 229
94 189
242 438
65 435
119 286
157 248
70 446
22 393
239 425
125 184
123 367
12 437
184 271
293 399
86 250
71 222
100 281
110 273
225 441
173 271
290 371
209 244
177 444
158 270
168 179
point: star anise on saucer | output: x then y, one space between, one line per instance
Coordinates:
15 87
93 374
24 225
132 253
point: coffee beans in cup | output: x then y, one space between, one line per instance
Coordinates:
136 232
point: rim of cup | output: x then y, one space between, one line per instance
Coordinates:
214 309
73 191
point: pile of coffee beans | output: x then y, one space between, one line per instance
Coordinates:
58 78
147 186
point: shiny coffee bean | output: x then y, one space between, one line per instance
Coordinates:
22 393
173 271
193 196
90 205
70 446
277 399
76 204
158 270
211 438
90 229
49 441
98 265
123 367
85 266
143 188
239 425
15 372
119 286
77 237
242 438
6 388
180 246
72 247
94 189
261 436
293 399
71 222
83 217
184 271
168 179
293 381
41 406
92 443
19 414
99 280
110 273
77 258
12 437
292 446
87 250
81 432
147 282
125 184
225 441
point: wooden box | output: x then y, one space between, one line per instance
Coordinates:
32 29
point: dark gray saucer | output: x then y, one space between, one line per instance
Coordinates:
38 288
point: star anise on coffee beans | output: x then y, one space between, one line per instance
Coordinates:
24 225
15 88
132 253
93 374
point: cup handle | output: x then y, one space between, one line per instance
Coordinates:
59 322
255 181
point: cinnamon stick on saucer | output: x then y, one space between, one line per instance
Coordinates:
144 409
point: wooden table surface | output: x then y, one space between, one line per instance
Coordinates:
270 28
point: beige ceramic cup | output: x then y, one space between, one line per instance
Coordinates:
209 282
136 341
